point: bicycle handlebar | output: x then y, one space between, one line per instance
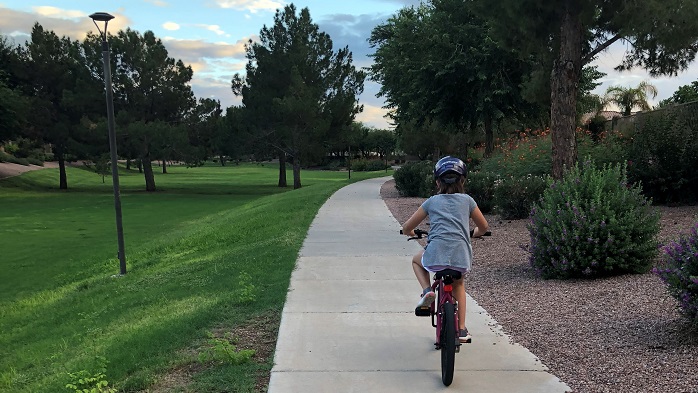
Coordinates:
421 233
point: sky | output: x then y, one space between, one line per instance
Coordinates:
210 35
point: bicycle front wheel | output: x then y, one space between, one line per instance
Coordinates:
448 342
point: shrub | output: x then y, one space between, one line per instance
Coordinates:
415 179
605 148
480 186
679 271
592 223
4 157
35 161
513 197
363 165
663 155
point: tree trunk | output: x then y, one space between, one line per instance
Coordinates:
128 164
222 160
148 173
61 170
564 81
296 172
140 165
489 136
164 166
282 170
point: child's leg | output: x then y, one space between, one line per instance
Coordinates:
459 294
419 271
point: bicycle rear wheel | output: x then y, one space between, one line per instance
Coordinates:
448 343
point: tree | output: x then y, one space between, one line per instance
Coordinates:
439 62
149 87
662 38
421 140
203 124
232 139
629 98
297 91
12 111
382 142
13 105
684 94
62 92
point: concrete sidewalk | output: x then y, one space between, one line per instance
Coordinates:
349 326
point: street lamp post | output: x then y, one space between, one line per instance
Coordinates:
104 17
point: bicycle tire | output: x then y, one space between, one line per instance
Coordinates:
448 343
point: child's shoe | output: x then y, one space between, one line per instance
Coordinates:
464 336
427 299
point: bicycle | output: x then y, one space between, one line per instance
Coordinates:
444 315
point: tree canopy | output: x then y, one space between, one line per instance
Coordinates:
297 91
439 63
683 95
661 37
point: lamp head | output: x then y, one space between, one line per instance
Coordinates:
101 17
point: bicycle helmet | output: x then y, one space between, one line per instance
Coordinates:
449 169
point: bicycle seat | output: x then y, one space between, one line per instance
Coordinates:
453 274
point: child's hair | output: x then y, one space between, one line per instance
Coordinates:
457 187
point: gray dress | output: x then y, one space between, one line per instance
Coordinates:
448 244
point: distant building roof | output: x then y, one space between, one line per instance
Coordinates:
608 115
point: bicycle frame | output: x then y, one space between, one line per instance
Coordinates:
444 293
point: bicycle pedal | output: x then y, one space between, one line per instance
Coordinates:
422 311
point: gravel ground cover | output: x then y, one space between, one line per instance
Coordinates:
620 334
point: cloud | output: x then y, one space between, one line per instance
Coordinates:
170 26
374 116
158 3
405 3
53 12
214 28
61 22
252 6
211 88
214 65
352 31
199 49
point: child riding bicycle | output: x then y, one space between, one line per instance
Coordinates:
448 243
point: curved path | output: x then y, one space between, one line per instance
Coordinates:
348 323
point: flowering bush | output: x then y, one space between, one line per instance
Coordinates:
592 223
679 270
528 153
513 197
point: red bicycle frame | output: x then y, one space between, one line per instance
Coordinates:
443 286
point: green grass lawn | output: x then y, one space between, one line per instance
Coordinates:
211 250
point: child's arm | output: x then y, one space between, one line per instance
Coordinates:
409 225
481 223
